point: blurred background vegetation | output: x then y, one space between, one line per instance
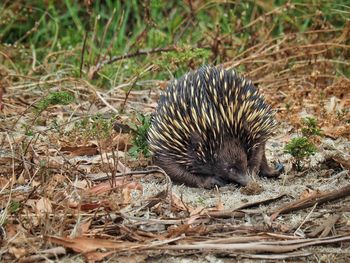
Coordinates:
44 37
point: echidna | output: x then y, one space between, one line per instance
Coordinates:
210 128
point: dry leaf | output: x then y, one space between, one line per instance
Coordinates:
11 230
80 184
126 193
176 231
4 182
21 179
17 252
121 142
97 256
197 211
43 206
88 150
84 227
106 186
178 205
307 193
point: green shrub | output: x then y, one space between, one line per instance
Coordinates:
139 142
300 148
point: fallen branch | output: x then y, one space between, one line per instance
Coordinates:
326 226
272 247
260 202
312 200
277 256
44 255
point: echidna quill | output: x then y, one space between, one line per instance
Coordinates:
210 128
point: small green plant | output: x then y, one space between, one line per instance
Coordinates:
54 98
139 142
93 127
14 207
200 200
300 148
28 130
310 127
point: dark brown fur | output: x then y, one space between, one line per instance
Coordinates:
231 164
258 164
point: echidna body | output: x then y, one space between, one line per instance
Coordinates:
210 128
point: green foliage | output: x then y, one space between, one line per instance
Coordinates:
14 207
28 130
300 148
45 27
54 98
310 127
139 142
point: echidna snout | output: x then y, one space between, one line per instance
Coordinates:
231 162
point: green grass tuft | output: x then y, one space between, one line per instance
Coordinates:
54 98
